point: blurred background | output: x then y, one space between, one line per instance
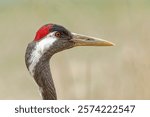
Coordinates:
119 72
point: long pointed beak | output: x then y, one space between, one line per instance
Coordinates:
82 40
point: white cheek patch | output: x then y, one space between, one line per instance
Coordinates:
41 47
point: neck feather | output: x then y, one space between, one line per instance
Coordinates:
44 80
37 63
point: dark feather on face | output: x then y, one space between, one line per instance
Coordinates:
65 34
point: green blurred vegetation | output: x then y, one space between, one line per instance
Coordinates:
119 72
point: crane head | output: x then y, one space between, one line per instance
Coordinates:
52 38
58 38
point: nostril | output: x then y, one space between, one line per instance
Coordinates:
88 39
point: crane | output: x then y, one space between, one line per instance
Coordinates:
50 39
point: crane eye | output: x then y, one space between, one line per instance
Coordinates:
57 34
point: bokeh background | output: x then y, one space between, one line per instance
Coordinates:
119 72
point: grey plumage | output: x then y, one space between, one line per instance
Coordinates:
42 72
50 39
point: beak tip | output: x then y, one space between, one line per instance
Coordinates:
112 44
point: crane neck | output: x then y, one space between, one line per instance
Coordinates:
44 80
